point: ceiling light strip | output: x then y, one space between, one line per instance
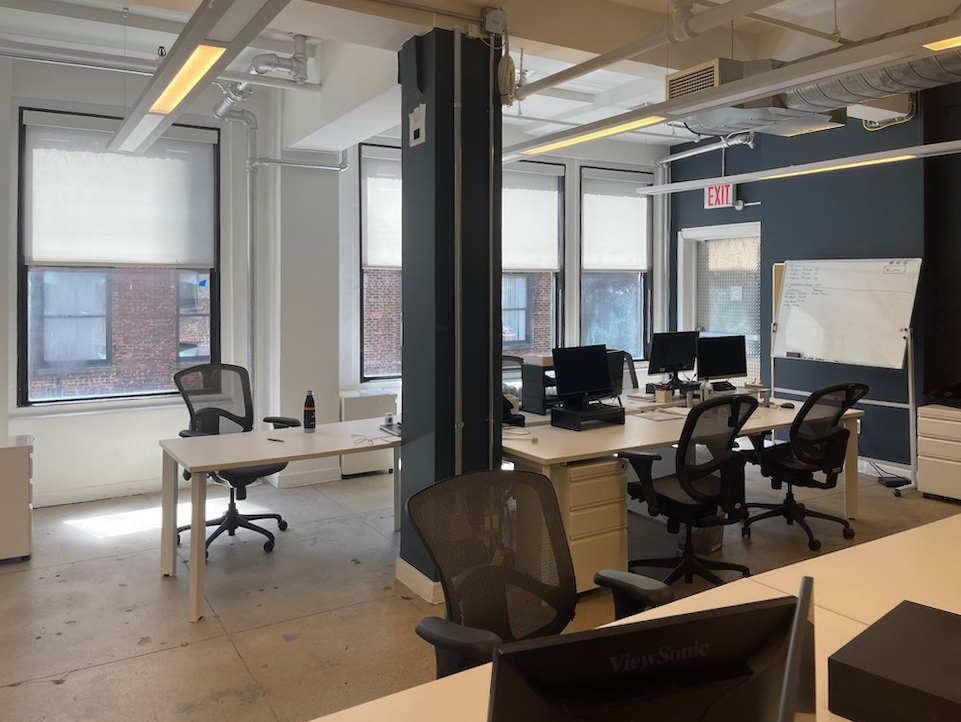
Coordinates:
201 60
594 135
896 155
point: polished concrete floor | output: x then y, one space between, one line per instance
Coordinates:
89 630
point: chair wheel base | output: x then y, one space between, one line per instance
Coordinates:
814 545
745 532
848 533
268 546
282 525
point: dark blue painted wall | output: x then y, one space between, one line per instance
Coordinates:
871 212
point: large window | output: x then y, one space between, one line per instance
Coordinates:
380 248
118 259
531 230
615 260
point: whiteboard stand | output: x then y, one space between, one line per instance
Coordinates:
912 411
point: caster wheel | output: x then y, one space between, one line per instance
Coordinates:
745 532
897 493
232 532
282 525
848 532
814 545
268 546
178 540
206 555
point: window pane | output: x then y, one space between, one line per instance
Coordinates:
612 310
194 340
74 293
382 322
134 347
528 312
74 339
194 292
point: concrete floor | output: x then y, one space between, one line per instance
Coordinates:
91 631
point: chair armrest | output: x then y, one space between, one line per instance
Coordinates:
643 464
633 593
188 433
282 422
468 643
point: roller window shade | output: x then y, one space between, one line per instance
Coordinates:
530 209
616 221
86 206
381 202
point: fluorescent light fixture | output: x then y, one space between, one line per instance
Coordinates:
603 133
945 44
840 166
895 155
200 61
148 123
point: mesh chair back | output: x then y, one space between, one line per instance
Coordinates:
819 419
217 397
707 440
499 544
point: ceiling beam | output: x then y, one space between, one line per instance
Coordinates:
132 20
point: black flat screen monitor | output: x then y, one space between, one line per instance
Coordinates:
746 663
673 352
582 372
721 357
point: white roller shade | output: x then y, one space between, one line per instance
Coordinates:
616 221
381 201
85 206
530 231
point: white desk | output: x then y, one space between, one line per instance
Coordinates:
204 454
852 589
592 496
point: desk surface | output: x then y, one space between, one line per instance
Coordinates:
557 446
231 451
852 588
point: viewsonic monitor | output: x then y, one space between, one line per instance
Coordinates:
745 663
672 352
721 357
582 372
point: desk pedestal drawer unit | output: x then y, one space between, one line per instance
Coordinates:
593 500
16 491
939 451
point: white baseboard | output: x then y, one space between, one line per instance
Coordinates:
412 578
94 492
889 467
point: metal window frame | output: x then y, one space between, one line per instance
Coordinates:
645 277
23 387
180 315
106 315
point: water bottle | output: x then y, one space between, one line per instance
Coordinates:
310 413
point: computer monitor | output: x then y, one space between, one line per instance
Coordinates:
746 663
673 352
721 357
581 373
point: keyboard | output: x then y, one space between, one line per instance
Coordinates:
723 386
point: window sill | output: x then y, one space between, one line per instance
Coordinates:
70 408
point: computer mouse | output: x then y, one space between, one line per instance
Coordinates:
787 405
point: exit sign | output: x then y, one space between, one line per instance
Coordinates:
719 196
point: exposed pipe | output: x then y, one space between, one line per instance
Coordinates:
684 27
572 124
777 22
429 9
134 66
723 144
339 167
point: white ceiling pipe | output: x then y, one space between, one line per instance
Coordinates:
691 27
136 66
573 124
744 139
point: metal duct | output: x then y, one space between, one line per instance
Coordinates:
929 72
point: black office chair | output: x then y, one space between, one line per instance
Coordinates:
818 443
695 495
498 542
219 402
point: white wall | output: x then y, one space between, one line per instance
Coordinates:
96 449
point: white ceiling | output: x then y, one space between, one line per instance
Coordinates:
597 95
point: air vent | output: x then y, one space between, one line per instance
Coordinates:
706 75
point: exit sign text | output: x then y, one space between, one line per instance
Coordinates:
719 196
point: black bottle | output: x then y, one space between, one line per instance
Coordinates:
310 413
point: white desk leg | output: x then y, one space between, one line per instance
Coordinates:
168 526
398 506
851 471
198 546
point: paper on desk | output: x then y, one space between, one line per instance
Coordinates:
659 415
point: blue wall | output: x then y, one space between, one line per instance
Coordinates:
872 212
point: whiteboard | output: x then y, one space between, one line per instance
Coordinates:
846 311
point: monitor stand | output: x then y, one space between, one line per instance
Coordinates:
579 414
676 384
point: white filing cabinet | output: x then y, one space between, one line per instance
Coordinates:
939 451
592 496
360 405
16 496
